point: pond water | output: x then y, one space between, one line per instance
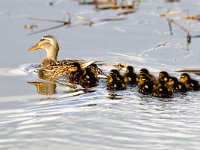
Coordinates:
99 119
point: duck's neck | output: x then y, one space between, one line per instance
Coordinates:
52 54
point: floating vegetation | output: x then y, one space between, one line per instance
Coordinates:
130 6
69 24
30 26
193 17
171 12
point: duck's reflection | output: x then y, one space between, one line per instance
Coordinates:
45 88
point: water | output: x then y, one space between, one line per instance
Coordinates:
99 119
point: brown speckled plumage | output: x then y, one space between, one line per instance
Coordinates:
51 68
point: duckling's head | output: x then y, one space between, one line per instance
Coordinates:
87 70
74 67
143 78
172 81
114 72
50 44
163 74
129 69
185 77
144 70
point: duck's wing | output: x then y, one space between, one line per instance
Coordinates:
55 69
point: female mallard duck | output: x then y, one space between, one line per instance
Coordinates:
162 91
176 86
190 83
130 76
51 68
115 81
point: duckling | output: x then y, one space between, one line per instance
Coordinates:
190 83
116 72
145 71
88 78
75 72
162 91
115 81
163 77
142 77
176 86
145 88
130 76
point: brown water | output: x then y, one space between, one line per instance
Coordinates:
77 120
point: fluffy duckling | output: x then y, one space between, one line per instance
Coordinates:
130 76
176 86
115 81
190 83
162 91
75 72
146 87
88 78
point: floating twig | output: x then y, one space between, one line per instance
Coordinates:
116 7
189 70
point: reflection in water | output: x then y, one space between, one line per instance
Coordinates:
170 1
114 96
45 88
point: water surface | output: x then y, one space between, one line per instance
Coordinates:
29 119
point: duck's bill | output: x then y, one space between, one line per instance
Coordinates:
35 47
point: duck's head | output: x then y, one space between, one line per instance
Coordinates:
112 78
96 69
163 76
143 78
144 70
172 81
184 78
114 72
48 43
87 70
129 69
